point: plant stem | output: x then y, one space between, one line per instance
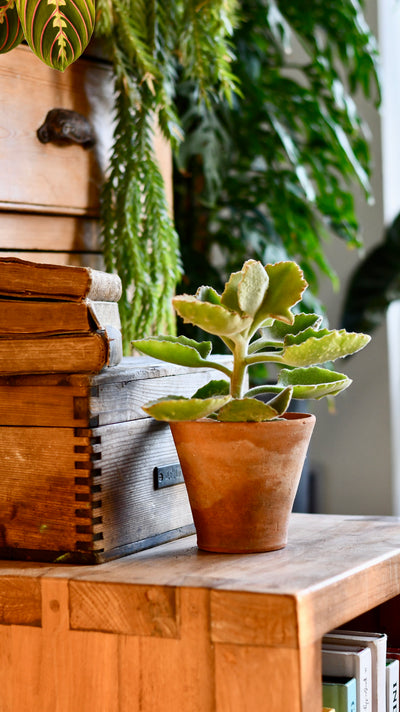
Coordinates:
239 368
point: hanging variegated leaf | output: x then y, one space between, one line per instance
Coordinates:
57 30
11 33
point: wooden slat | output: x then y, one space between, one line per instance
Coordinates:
129 452
84 259
20 600
113 396
37 488
267 679
131 610
26 232
175 674
269 620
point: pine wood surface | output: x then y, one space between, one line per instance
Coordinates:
176 629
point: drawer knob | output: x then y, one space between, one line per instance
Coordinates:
63 126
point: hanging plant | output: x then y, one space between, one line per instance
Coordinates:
152 46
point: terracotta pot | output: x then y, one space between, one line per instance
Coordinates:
242 479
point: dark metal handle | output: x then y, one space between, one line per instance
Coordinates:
63 126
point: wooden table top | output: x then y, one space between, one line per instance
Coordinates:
334 568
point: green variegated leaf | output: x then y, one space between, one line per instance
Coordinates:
245 410
245 290
175 349
313 382
57 31
11 33
252 287
213 318
286 285
213 388
278 330
306 349
208 294
176 408
281 402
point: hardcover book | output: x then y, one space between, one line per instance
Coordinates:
377 642
28 316
392 684
32 280
350 661
340 693
71 353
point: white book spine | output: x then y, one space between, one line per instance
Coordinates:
377 642
345 662
392 686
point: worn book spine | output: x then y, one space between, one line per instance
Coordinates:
28 316
31 280
75 353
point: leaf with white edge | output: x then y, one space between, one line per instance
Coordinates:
229 298
176 408
57 31
213 318
324 346
281 402
278 330
286 286
245 410
208 294
313 382
179 350
213 388
11 33
252 287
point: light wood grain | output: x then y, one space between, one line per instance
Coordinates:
48 233
142 610
176 674
20 600
201 642
48 176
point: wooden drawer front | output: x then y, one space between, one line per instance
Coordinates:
55 239
48 177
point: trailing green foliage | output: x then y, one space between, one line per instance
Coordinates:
150 44
272 176
57 31
11 33
255 299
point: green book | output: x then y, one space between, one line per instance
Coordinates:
340 693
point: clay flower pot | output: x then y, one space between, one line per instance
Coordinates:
242 479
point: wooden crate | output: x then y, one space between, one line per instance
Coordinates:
77 473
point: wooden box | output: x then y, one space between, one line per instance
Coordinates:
78 456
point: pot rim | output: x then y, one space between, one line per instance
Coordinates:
285 418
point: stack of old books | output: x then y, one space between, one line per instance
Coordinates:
57 318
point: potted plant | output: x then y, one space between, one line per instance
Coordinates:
242 458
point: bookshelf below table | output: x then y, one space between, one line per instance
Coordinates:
175 629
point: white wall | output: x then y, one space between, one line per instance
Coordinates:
351 451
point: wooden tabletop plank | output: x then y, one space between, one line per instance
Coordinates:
333 568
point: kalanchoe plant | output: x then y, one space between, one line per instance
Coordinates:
254 319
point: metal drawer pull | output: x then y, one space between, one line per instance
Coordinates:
63 126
